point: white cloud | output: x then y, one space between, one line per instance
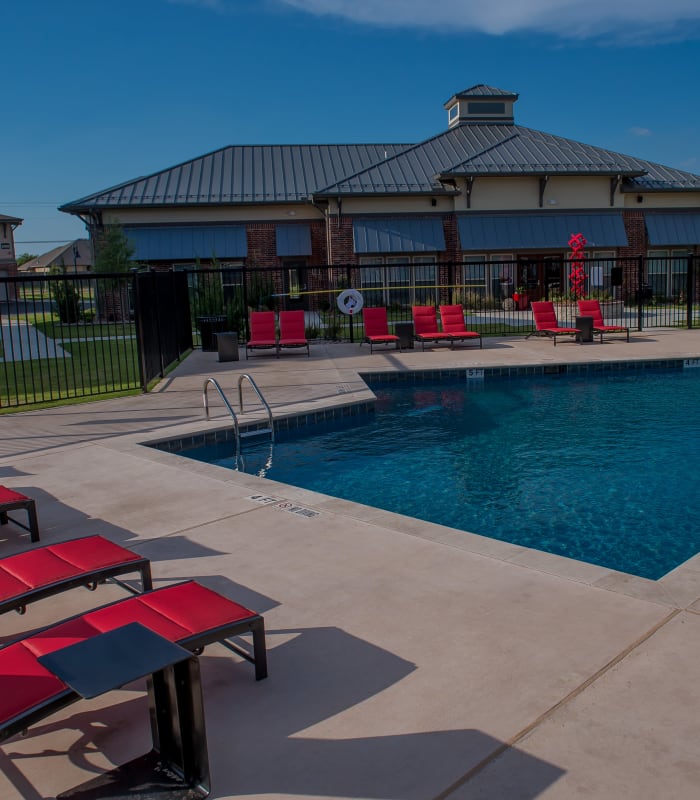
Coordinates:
636 131
578 19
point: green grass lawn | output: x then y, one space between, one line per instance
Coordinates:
97 366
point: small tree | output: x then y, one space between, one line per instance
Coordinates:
113 254
113 251
23 258
66 297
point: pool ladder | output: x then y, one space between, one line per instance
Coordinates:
236 427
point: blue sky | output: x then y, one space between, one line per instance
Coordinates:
98 93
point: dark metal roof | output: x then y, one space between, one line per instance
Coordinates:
155 243
242 174
398 235
679 228
5 218
294 173
540 230
293 240
662 179
484 150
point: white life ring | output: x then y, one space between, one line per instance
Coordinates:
350 301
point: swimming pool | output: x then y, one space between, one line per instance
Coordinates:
598 467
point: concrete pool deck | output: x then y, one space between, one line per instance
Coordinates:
407 660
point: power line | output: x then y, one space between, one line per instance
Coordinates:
42 241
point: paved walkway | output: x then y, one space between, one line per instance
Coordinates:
407 660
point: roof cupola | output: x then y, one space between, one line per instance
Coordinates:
480 104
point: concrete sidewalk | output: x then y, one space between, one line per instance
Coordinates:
407 660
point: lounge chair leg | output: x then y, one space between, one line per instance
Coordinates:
33 521
260 651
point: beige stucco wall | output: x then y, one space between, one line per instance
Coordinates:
395 205
523 194
662 200
193 214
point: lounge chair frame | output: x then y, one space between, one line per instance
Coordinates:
546 323
376 327
252 623
100 571
292 331
452 320
264 320
426 326
591 308
12 500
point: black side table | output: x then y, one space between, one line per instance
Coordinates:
404 330
585 327
178 766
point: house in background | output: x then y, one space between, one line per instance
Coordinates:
75 257
8 263
495 201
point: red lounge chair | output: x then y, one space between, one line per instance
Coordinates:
45 571
452 319
377 328
292 331
187 613
591 308
10 500
425 326
262 331
546 323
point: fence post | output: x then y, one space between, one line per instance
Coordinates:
348 278
138 322
640 290
246 333
689 292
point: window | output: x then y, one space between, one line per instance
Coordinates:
453 112
489 275
666 272
599 271
398 280
486 107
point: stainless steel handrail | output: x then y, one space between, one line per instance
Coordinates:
260 397
229 408
205 400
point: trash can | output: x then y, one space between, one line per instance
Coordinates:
208 326
585 327
227 344
404 330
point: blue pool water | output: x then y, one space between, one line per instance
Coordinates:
600 468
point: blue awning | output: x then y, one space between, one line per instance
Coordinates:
673 229
293 240
535 231
398 235
164 243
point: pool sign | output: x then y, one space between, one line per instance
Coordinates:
350 301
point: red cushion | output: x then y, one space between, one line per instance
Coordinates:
195 607
61 635
11 496
25 683
10 586
135 610
92 552
39 567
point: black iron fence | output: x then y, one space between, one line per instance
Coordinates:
71 336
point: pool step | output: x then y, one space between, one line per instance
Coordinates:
256 432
